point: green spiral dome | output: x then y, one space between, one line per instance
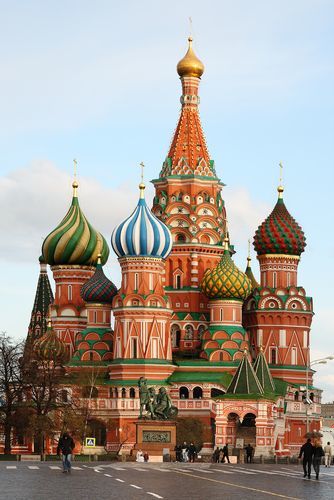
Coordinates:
74 241
49 346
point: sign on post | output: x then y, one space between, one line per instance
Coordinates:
90 442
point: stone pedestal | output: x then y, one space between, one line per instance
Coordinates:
157 437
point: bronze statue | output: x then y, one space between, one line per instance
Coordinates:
156 406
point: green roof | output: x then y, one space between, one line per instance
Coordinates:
245 380
263 373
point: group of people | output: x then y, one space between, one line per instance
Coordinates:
220 454
142 456
312 454
185 452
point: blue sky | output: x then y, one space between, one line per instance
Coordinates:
97 81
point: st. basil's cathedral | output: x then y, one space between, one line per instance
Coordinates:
231 350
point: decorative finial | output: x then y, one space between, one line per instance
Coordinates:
48 321
226 237
261 348
142 184
190 38
245 351
75 182
280 188
99 255
249 257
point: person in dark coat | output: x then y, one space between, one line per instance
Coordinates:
225 454
318 453
178 453
249 453
66 446
215 455
191 452
307 451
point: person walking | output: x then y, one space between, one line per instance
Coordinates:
307 451
184 452
192 452
328 454
317 456
225 454
249 453
178 453
66 446
215 455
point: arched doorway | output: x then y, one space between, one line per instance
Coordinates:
246 429
97 429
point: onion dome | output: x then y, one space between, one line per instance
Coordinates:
226 281
74 241
49 346
279 233
98 289
142 234
190 65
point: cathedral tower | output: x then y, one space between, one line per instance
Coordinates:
142 343
188 200
72 251
278 314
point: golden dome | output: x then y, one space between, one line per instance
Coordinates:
190 65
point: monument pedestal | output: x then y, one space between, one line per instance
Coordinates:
157 437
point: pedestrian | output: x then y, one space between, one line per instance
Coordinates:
317 456
178 453
307 451
328 454
184 452
225 454
139 456
192 452
66 446
215 455
249 453
146 456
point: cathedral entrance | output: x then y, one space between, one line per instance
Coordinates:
246 429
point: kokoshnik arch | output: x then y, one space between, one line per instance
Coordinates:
231 351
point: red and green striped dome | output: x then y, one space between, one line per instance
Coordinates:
98 289
74 241
279 233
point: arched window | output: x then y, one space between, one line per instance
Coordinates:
176 336
111 392
312 396
132 392
189 332
64 396
296 397
178 282
201 330
180 238
273 355
184 393
123 393
197 393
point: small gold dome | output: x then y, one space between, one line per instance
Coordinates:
190 65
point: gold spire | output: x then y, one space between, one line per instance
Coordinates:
99 255
249 257
190 65
75 182
280 188
226 238
142 184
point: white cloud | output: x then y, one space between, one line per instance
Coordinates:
34 199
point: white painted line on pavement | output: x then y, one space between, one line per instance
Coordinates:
224 471
76 468
135 486
161 470
141 470
11 467
153 494
118 468
243 471
97 470
54 467
33 467
120 480
108 475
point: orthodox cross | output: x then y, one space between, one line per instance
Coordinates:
280 173
142 172
75 164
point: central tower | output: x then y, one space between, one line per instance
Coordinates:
188 200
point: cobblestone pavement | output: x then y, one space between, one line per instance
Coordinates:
42 481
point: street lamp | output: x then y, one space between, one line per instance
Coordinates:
307 400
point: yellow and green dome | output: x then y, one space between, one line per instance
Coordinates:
226 281
74 241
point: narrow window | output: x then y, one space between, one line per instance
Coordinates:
69 292
288 279
273 356
136 281
178 281
294 356
95 317
274 279
134 348
221 314
150 281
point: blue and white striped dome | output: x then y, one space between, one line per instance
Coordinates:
142 234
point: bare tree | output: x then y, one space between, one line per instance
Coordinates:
10 385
